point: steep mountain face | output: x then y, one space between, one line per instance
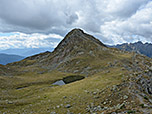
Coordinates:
139 47
6 58
71 50
76 37
114 81
76 42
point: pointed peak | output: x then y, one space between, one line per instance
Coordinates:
75 31
77 37
140 42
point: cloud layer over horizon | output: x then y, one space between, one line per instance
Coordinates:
35 40
112 21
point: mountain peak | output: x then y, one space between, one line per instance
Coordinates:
77 31
78 37
139 42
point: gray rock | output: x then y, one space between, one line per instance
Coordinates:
104 103
114 87
64 97
105 108
58 106
10 102
86 91
150 68
67 106
125 97
145 105
96 97
94 93
120 106
99 108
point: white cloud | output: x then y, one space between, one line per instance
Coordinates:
113 21
22 40
124 8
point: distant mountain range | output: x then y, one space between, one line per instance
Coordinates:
13 55
6 58
139 47
26 51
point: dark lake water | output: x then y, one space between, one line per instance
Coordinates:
68 79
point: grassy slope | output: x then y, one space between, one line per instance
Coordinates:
43 97
39 97
108 81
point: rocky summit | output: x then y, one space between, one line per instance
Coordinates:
97 80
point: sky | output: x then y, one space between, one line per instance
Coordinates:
44 23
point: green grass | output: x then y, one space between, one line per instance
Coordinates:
40 98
